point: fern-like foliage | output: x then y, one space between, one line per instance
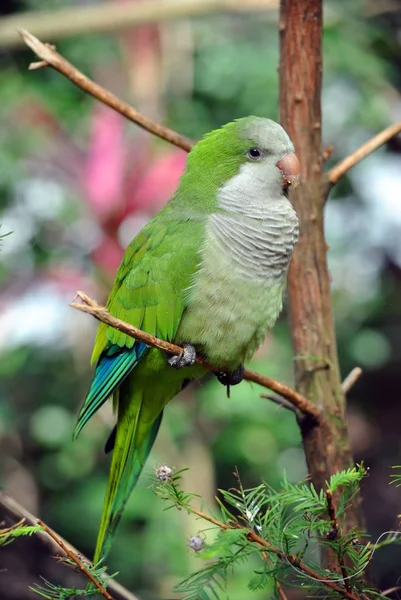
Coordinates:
229 549
51 591
58 592
271 531
396 477
9 534
277 528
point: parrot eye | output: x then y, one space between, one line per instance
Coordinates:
254 153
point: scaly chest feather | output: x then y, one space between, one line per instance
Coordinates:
236 295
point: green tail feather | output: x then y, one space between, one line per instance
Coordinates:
127 464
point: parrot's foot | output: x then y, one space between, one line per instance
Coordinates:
233 378
186 358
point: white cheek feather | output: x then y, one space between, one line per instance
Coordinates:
252 190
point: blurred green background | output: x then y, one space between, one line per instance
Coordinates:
77 182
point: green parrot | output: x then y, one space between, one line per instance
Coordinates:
207 273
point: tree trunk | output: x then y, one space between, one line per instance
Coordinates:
327 446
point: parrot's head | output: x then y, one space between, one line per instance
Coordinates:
270 153
249 158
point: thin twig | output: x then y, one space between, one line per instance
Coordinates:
375 9
327 152
76 560
351 379
280 590
7 530
278 585
290 558
336 529
335 174
57 24
101 313
300 402
280 401
20 512
390 590
53 59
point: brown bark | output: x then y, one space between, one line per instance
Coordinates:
326 444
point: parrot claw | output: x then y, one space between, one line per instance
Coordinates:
233 378
186 358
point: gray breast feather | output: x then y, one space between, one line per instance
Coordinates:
259 249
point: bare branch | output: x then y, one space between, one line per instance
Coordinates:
299 401
390 591
280 402
96 18
351 379
19 512
100 312
50 57
327 152
335 174
74 557
4 532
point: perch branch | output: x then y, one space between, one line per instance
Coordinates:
335 174
99 312
49 57
57 24
291 558
351 379
74 557
19 512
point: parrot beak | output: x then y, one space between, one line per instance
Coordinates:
290 169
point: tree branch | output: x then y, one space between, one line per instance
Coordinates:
100 312
280 402
61 23
49 57
335 174
74 557
351 379
18 511
291 558
327 152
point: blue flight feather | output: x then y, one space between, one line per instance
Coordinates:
113 367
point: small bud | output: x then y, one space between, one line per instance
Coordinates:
196 543
164 473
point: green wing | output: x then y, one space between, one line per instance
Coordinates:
149 293
149 288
